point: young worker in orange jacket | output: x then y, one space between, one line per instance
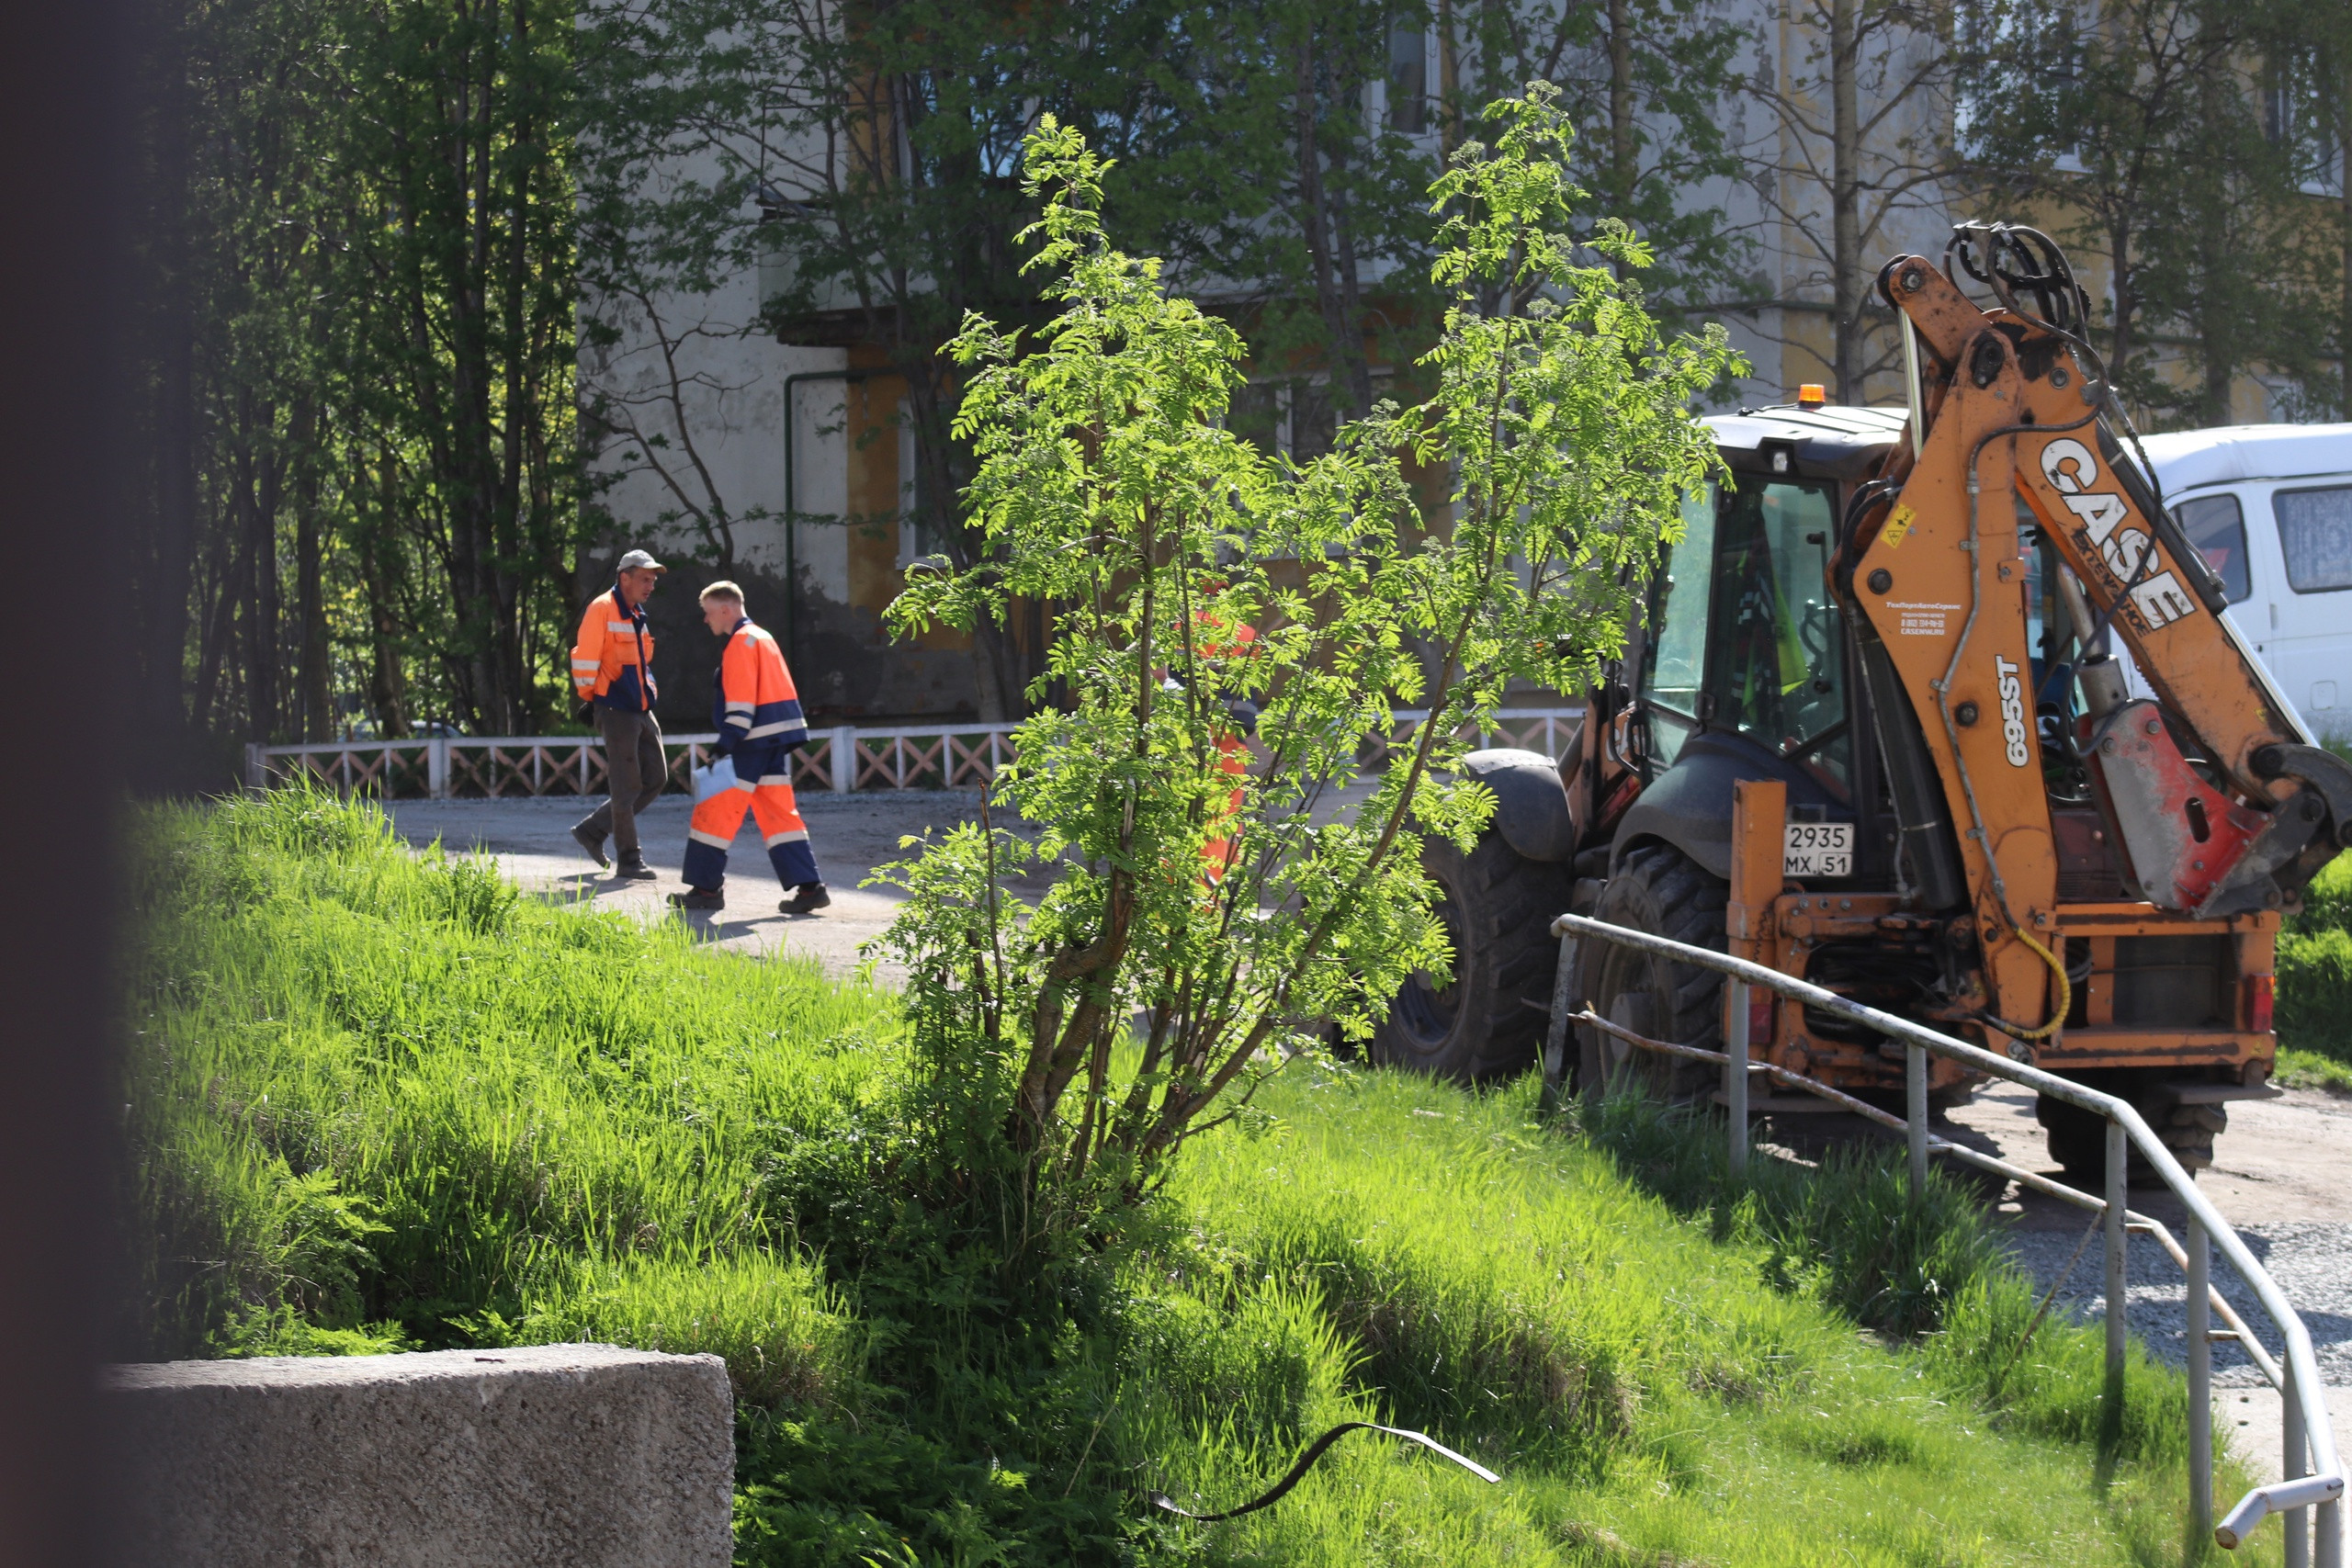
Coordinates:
758 714
612 669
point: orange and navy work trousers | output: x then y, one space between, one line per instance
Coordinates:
764 787
1233 757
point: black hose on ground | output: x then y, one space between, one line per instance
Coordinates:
1315 1451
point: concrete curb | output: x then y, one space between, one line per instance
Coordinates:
583 1455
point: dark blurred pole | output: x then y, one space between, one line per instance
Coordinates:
62 187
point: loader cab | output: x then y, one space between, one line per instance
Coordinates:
1744 668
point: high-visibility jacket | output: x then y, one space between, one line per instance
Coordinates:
612 662
752 703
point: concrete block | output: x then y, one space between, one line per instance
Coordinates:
581 1455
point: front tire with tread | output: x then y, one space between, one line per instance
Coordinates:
1660 890
1498 910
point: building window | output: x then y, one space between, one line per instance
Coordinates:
2299 121
1294 418
1408 78
910 540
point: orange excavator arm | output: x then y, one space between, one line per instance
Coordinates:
2217 796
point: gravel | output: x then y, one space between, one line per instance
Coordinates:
2311 1260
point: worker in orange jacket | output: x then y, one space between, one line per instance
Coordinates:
757 712
612 670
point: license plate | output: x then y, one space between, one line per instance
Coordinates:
1817 849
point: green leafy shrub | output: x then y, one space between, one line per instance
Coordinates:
1200 589
2314 996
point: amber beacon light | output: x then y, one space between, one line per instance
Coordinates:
1812 395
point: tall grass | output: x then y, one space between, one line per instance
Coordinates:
370 1090
1663 1385
378 1100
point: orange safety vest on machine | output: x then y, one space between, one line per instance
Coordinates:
612 662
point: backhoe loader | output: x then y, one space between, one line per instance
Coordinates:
1873 732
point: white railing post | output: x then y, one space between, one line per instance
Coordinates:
256 768
844 760
2201 1380
1736 1073
2296 1454
436 767
1556 1033
2118 1202
1915 1100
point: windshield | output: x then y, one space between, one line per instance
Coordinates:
1674 673
1743 632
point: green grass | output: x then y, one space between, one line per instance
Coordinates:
380 1102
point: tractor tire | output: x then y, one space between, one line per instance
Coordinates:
2078 1139
1489 1023
1660 890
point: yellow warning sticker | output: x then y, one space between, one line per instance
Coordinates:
1898 527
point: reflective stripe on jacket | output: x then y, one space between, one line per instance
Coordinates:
611 661
753 702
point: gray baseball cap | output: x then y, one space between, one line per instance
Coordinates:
637 560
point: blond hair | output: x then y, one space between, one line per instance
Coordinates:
722 589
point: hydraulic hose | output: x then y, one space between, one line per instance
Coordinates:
2065 993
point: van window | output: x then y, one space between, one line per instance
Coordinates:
2315 536
2216 530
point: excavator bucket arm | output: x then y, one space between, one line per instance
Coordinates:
2220 800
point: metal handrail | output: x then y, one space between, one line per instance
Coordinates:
2304 1398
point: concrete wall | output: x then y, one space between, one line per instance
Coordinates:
581 1455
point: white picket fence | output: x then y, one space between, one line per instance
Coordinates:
843 760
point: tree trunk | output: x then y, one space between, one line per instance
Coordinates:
1845 228
316 702
1347 358
379 553
1341 332
2127 297
2344 187
1623 169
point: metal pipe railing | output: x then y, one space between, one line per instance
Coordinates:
2312 1473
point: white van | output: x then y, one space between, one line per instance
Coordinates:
2270 505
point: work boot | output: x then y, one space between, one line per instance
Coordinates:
589 839
698 898
807 900
634 869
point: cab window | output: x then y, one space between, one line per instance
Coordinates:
1778 670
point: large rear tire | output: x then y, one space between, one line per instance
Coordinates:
2078 1138
1660 890
1498 911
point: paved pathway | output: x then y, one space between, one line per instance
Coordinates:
851 835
